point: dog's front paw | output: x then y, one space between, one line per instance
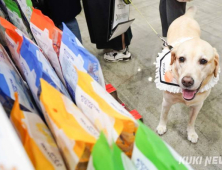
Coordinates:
193 137
161 129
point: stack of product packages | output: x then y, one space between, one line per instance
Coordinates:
53 93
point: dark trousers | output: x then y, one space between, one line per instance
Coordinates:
74 27
117 43
98 16
169 11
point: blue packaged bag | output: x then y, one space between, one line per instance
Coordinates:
36 66
73 54
11 82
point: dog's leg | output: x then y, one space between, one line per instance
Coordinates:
192 135
161 128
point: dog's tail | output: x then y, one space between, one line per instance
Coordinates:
191 12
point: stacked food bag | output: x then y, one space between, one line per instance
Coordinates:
30 60
11 82
105 112
36 66
26 7
73 132
112 158
12 154
15 15
71 52
150 152
12 36
36 139
45 32
85 127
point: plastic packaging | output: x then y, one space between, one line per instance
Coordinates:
105 112
12 82
36 139
74 133
13 155
13 38
72 53
112 159
15 16
36 66
44 30
26 7
151 152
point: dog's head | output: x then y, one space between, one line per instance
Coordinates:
194 62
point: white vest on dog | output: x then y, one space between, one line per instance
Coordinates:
164 79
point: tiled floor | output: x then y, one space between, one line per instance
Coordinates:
132 79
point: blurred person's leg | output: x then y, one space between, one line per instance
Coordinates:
74 27
163 17
174 10
120 48
169 11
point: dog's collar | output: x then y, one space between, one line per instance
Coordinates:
181 41
164 78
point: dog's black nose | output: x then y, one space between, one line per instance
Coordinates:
187 81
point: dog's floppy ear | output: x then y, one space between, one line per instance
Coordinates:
216 61
173 56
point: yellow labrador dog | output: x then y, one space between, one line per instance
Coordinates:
194 63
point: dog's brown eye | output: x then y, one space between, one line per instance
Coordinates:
181 59
203 61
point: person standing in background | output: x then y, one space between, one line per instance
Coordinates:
99 15
169 11
62 11
119 47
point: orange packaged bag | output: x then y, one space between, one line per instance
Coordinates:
36 139
12 154
105 112
73 132
13 39
45 32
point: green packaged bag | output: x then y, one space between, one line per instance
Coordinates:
151 152
103 157
15 16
